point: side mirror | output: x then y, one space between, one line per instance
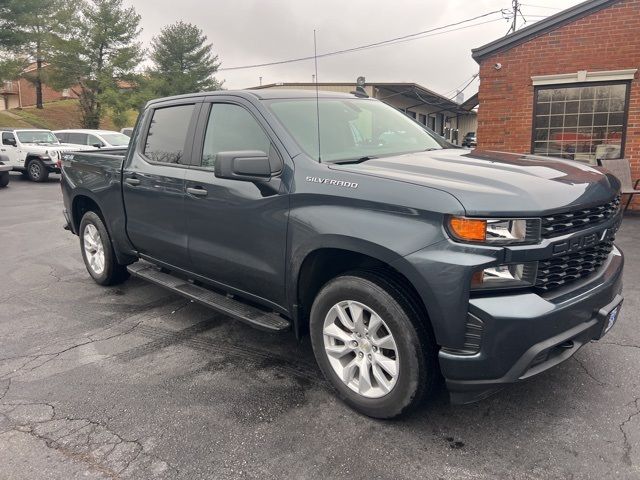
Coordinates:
246 165
97 145
9 141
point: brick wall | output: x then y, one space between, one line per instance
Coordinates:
28 93
606 40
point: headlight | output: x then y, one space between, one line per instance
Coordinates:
492 231
516 275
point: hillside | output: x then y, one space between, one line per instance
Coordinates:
54 116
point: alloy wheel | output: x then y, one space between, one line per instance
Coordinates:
361 349
93 249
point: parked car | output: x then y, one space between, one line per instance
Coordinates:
470 140
34 152
93 138
4 171
127 131
399 267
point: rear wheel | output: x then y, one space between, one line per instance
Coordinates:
97 251
370 344
36 171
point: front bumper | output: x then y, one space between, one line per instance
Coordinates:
524 334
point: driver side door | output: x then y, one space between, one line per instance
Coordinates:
10 151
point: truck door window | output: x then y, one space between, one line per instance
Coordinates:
78 138
232 128
7 136
167 134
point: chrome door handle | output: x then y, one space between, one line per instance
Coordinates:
198 192
132 181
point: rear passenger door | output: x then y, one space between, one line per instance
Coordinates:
236 229
153 182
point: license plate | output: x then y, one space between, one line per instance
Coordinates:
610 319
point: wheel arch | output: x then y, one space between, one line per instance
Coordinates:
318 265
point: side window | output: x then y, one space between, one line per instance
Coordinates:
167 134
78 138
62 137
231 128
93 140
7 136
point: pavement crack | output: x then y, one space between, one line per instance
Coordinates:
53 355
589 374
626 457
6 389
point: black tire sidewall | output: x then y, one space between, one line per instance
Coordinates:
411 344
4 179
107 276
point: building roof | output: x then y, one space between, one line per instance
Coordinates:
421 95
540 28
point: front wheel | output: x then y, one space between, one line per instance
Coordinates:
37 172
97 251
369 342
4 179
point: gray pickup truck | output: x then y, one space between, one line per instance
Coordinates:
341 218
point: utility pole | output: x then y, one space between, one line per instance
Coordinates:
515 6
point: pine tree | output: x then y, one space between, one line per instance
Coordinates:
183 61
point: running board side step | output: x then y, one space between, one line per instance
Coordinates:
243 312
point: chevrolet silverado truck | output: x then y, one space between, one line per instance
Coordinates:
34 152
338 217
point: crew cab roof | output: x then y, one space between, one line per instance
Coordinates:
262 94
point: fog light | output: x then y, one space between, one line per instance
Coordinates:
514 275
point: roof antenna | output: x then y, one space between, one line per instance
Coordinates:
315 60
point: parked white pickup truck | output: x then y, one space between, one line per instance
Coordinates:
34 152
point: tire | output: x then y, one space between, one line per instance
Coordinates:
36 171
97 252
4 179
413 357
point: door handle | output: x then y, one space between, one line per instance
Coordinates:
132 181
198 191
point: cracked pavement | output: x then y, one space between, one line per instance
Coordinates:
133 382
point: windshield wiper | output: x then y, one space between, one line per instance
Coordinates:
356 160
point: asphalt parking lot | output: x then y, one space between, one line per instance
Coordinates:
133 382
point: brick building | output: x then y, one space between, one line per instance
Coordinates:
566 86
21 92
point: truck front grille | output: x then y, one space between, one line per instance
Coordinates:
559 271
567 222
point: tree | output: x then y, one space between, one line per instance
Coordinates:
182 60
28 28
97 52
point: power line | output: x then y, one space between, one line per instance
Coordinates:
409 37
465 87
448 92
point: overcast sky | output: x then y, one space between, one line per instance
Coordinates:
246 32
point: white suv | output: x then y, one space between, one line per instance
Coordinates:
94 138
34 152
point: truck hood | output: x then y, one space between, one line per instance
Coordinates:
496 183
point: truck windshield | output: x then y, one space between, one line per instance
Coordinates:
350 129
36 136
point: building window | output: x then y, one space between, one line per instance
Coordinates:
585 123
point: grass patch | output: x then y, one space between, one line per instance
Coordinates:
59 115
7 121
